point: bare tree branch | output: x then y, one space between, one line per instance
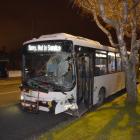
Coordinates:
134 5
102 14
134 49
133 27
91 9
104 30
125 11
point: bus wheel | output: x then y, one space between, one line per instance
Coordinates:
101 97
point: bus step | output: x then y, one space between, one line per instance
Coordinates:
79 112
82 109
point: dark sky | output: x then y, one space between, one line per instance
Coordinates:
21 20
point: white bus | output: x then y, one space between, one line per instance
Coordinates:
66 73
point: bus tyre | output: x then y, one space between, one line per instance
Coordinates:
101 97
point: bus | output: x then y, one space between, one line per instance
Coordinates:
66 73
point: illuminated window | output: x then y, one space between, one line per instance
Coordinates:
118 60
111 62
100 63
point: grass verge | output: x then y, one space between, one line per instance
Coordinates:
115 120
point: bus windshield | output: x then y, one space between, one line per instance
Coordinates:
49 63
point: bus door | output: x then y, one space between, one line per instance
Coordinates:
84 80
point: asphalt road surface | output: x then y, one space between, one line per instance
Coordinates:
16 124
9 91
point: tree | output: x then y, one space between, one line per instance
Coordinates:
138 68
124 17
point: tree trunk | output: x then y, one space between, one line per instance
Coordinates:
129 67
138 67
130 75
131 86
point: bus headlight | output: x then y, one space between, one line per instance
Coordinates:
21 97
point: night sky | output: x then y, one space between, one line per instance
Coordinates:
21 20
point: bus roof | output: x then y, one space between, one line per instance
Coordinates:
77 40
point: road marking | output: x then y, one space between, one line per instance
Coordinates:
5 93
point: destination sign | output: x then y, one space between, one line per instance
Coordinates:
44 48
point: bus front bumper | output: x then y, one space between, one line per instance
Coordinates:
36 106
56 107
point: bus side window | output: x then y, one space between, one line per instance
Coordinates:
118 62
111 62
100 63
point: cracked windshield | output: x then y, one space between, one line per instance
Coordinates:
49 63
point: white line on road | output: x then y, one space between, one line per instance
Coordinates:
5 93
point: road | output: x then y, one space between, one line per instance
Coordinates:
9 91
16 124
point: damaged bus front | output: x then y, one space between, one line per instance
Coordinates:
48 82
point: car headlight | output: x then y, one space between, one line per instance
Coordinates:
21 97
